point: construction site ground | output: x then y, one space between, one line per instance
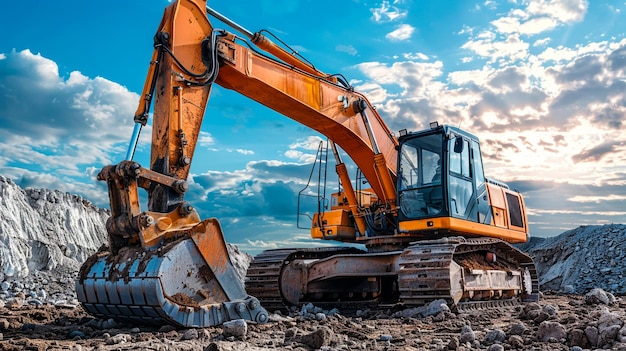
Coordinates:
557 322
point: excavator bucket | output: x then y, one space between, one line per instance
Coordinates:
188 282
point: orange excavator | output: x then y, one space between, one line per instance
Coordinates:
431 225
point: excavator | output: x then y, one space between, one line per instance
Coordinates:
429 225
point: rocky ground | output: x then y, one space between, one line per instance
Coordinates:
46 235
557 322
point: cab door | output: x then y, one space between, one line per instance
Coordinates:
468 197
482 197
462 195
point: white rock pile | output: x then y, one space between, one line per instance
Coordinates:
45 236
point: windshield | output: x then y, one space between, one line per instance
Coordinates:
420 176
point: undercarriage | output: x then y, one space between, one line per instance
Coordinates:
467 273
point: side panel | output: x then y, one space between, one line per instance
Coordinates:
444 226
333 225
508 208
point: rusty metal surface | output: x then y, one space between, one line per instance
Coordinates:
173 285
457 270
278 287
454 269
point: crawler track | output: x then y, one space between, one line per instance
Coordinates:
452 269
431 270
263 279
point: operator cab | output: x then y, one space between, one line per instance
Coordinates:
440 174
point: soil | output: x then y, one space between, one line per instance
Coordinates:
557 322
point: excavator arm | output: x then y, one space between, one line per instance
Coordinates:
344 116
318 101
164 264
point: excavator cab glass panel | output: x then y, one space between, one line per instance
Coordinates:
460 186
420 183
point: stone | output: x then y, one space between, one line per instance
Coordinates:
35 302
550 310
494 336
430 309
577 337
28 326
540 317
599 296
237 328
467 334
621 335
118 339
53 223
607 336
190 334
592 335
291 332
320 337
333 312
518 328
453 344
551 330
495 347
15 303
531 310
204 334
167 328
516 341
608 319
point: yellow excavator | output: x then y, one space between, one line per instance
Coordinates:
431 224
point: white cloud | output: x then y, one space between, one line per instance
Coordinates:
245 152
375 93
205 139
487 45
348 49
415 56
565 11
541 42
597 199
541 16
387 13
310 143
50 121
403 32
300 156
560 112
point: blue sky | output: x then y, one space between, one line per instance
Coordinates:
542 83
